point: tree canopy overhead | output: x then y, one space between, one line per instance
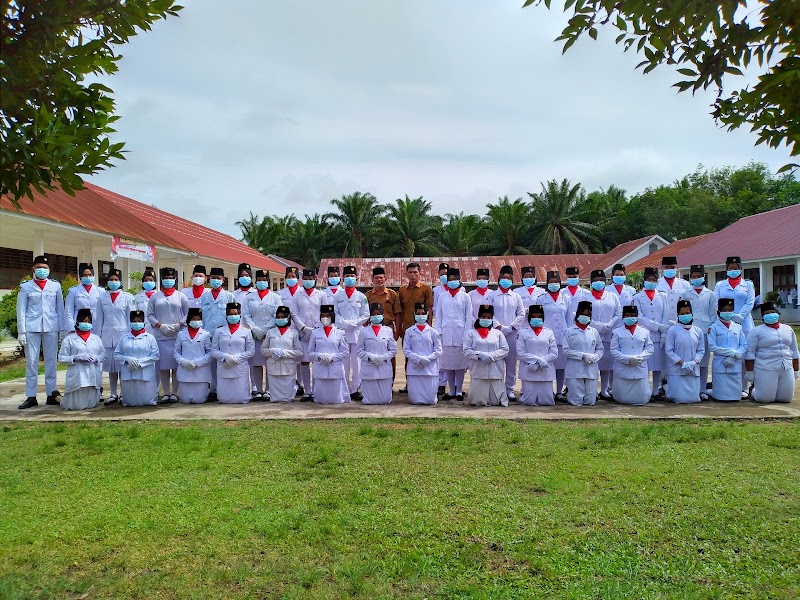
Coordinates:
53 126
710 41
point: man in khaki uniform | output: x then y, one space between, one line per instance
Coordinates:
392 315
415 292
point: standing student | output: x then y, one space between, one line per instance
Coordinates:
259 308
214 304
111 323
283 350
376 347
40 324
166 314
509 315
142 298
606 317
84 353
584 349
704 310
422 347
529 292
288 294
574 291
685 347
557 308
452 316
481 294
652 307
306 306
486 348
232 347
193 355
137 352
393 313
244 282
334 281
84 295
438 290
328 348
729 345
194 293
352 312
413 293
673 286
537 350
620 287
772 359
631 347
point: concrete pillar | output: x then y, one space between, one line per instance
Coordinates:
179 268
126 271
764 283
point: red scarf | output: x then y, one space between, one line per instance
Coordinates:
283 329
581 327
309 291
136 333
215 292
698 290
233 328
41 283
483 291
149 294
504 290
453 292
734 282
537 330
632 328
726 323
650 294
88 288
84 335
193 332
572 290
778 324
262 293
555 295
376 329
245 289
197 290
167 292
114 296
327 330
619 289
421 327
597 295
669 281
483 332
349 291
293 289
334 289
530 290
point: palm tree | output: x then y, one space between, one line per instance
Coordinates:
310 241
461 235
408 228
558 219
358 215
268 235
508 227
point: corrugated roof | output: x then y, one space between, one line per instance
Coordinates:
674 249
616 254
772 234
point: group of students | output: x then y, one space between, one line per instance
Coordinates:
206 343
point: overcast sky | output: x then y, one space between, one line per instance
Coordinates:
277 107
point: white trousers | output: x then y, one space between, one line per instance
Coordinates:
352 369
511 361
34 343
581 392
773 386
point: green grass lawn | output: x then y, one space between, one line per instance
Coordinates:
16 370
402 509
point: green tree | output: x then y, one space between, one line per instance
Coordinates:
559 215
358 215
310 240
712 40
268 234
54 127
461 235
408 228
508 227
606 209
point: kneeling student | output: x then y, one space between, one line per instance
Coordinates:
328 348
685 349
83 351
771 358
375 349
631 346
422 347
232 347
537 350
193 355
728 343
583 349
283 350
137 351
487 349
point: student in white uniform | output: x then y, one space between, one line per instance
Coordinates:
583 349
244 282
685 347
422 347
631 346
606 317
509 316
259 308
772 359
193 355
305 316
352 313
334 281
288 294
327 348
704 310
283 350
672 285
452 318
84 295
620 287
437 291
137 352
574 292
232 347
194 293
84 353
482 293
529 292
743 292
729 345
486 349
40 324
537 350
166 315
214 304
111 323
376 347
142 298
557 308
652 307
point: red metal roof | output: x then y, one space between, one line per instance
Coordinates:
674 249
772 234
616 254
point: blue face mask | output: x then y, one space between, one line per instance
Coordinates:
650 285
505 283
291 282
727 316
486 323
87 280
584 320
41 273
734 273
453 285
685 319
85 326
573 281
619 279
233 319
529 282
350 281
262 285
420 319
195 324
376 319
281 322
443 279
553 287
149 285
771 318
114 285
245 281
670 273
334 281
137 326
482 283
630 321
598 286
309 283
696 283
216 283
536 322
168 284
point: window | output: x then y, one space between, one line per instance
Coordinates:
783 277
16 264
652 248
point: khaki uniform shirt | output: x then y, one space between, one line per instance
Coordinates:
390 301
410 296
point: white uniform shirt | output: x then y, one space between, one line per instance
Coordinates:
240 293
258 313
580 295
167 310
289 342
77 298
82 374
509 312
625 293
239 345
214 309
197 350
494 347
381 346
351 312
452 317
744 299
531 346
142 347
111 318
193 302
142 299
652 313
625 345
329 292
40 310
704 306
305 309
606 314
556 313
772 349
426 344
673 294
577 343
724 342
686 345
529 295
334 346
477 299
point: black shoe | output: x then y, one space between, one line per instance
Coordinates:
51 399
607 397
441 390
403 390
460 397
300 391
448 397
212 397
356 396
29 403
306 398
111 400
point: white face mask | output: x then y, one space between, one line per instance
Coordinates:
326 321
199 280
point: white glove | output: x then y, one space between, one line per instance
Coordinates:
588 358
738 319
663 329
737 355
796 375
663 341
278 352
22 339
749 376
133 364
79 358
505 329
689 366
376 359
729 361
258 333
267 352
631 361
185 364
532 366
165 329
228 361
422 361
